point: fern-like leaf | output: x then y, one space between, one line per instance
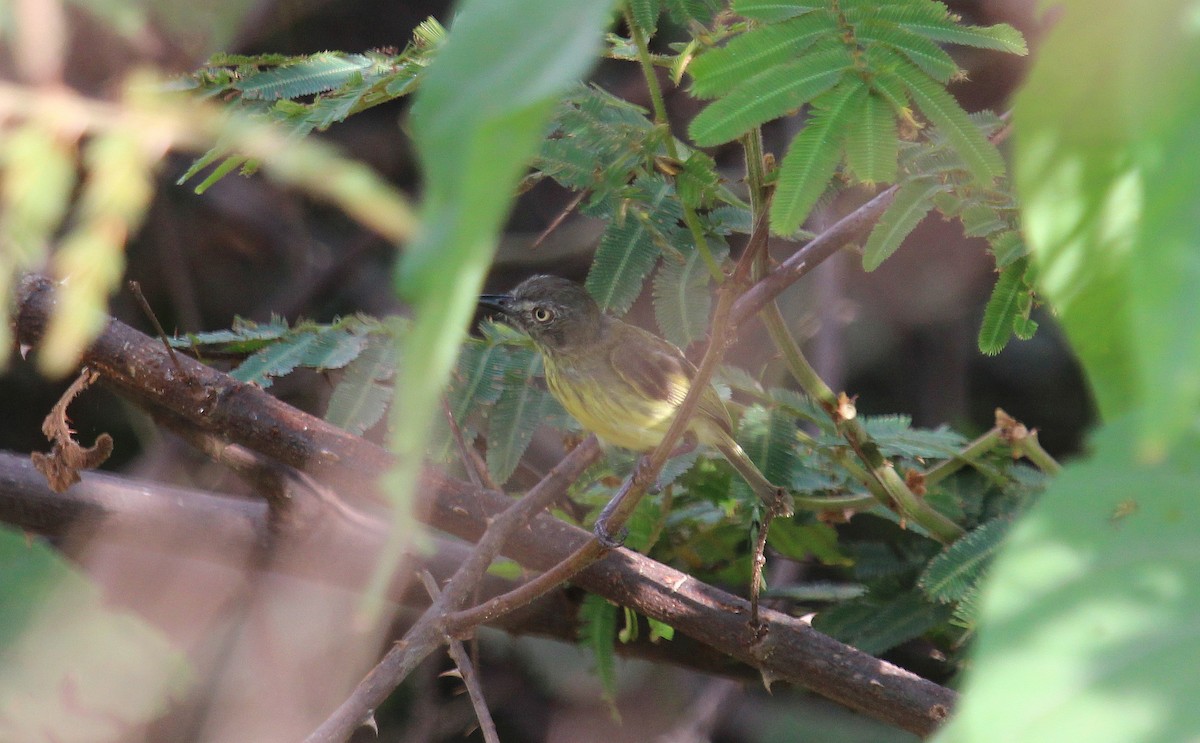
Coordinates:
956 571
981 157
875 625
922 52
359 400
520 409
315 74
1007 308
813 156
682 300
1007 247
773 10
769 95
645 14
628 249
912 202
719 71
871 142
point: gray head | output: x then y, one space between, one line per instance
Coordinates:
555 312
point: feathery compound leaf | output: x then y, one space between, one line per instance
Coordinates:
912 202
478 377
933 21
316 74
277 359
871 142
359 400
521 408
1007 247
981 156
1008 309
628 249
955 572
813 156
769 95
769 437
682 300
718 71
645 14
686 11
922 52
773 10
875 625
895 436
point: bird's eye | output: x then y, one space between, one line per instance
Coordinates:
543 314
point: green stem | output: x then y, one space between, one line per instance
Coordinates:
969 455
879 474
1032 449
659 107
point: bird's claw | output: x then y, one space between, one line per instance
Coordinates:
607 540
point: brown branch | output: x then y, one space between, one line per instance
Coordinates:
785 648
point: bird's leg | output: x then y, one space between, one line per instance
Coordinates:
641 479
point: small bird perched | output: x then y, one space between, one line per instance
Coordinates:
620 382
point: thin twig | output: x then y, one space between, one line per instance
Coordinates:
477 471
558 220
466 670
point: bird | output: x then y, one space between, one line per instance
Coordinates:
621 382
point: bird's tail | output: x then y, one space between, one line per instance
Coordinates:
775 497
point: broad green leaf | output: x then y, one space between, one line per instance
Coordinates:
769 95
1110 203
476 122
872 141
598 632
75 668
1087 622
912 202
718 71
813 157
981 156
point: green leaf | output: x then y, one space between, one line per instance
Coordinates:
955 572
476 121
1087 623
769 95
359 400
773 10
875 625
75 669
769 437
922 52
912 202
718 71
1110 207
895 436
520 409
981 156
1011 301
628 248
872 142
315 74
645 14
1007 247
813 157
683 299
799 542
598 631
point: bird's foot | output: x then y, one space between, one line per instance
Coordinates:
782 504
607 539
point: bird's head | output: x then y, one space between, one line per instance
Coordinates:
558 314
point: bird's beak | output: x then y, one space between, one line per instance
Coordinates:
501 303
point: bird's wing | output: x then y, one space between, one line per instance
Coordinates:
658 370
